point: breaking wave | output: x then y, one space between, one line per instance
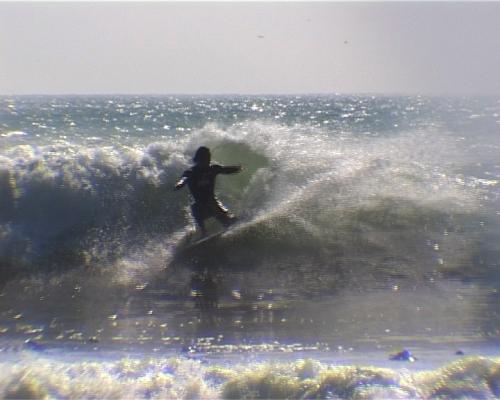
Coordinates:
303 192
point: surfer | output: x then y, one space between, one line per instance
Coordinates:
200 180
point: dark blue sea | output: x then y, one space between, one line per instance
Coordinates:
367 225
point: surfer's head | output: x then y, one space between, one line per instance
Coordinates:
202 156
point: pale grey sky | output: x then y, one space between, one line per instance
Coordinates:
249 48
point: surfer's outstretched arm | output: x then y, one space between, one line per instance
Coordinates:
229 169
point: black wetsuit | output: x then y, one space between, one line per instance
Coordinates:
201 183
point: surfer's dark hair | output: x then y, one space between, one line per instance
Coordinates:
201 153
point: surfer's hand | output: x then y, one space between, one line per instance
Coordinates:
180 184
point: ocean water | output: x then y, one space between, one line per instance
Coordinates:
368 225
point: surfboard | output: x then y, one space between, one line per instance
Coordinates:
191 244
205 239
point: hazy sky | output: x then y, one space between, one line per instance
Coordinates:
310 47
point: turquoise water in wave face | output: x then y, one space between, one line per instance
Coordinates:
371 223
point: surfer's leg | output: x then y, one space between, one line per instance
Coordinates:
223 215
199 217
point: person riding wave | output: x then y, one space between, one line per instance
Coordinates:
200 180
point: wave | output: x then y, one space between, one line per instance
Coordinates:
177 377
331 203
